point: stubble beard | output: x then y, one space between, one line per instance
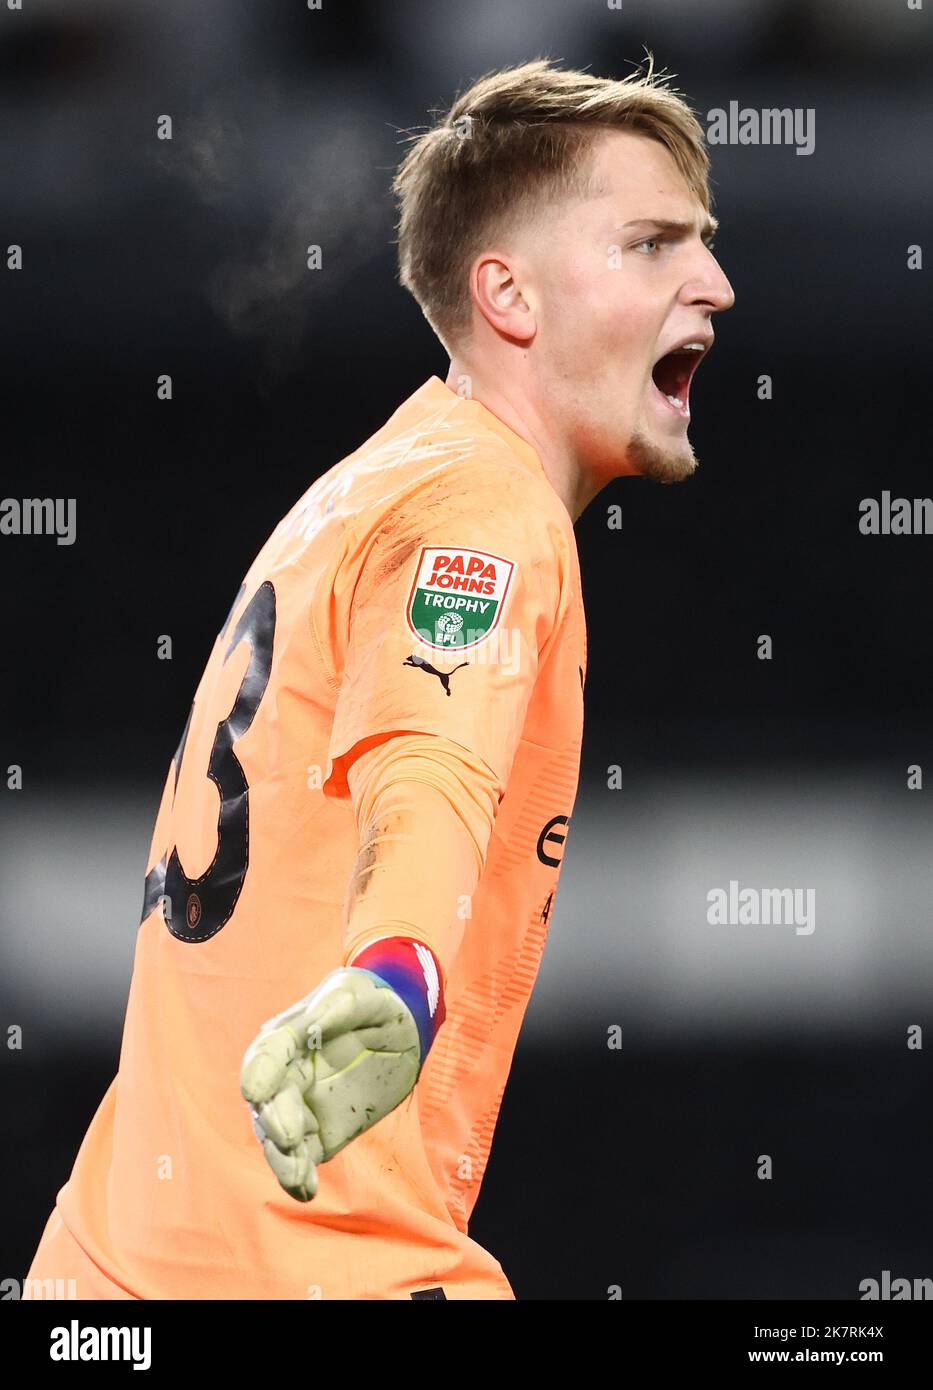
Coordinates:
661 465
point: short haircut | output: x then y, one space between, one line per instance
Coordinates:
516 140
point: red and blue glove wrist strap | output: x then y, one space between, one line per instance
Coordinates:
412 969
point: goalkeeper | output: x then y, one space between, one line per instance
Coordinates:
368 807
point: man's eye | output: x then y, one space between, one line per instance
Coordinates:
651 242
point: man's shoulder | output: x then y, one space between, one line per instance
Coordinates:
439 472
437 456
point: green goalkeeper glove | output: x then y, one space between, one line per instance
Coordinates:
326 1070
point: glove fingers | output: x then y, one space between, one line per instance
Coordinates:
334 1013
296 1170
286 1119
365 1006
266 1063
275 1050
300 1073
332 1008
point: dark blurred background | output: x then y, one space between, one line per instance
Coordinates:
634 1167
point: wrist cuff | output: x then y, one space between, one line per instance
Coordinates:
412 969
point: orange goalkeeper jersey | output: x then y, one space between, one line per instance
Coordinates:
427 584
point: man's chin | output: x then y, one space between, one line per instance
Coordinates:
662 463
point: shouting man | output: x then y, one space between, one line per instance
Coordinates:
368 807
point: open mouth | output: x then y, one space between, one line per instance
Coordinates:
673 373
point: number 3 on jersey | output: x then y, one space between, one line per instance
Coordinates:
207 902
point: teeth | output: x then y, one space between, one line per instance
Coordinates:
692 347
675 401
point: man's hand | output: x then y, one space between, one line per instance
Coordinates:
327 1069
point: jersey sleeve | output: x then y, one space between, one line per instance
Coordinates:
410 792
456 595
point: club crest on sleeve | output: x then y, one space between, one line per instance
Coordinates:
457 597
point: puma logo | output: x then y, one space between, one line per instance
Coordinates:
442 676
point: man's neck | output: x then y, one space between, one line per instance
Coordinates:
574 488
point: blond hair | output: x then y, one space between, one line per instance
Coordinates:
516 140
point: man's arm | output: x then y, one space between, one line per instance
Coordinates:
330 1067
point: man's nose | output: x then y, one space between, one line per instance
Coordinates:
711 287
723 292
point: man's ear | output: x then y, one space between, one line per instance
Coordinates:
497 295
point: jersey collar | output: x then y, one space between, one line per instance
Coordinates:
435 392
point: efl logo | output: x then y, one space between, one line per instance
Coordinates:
457 597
